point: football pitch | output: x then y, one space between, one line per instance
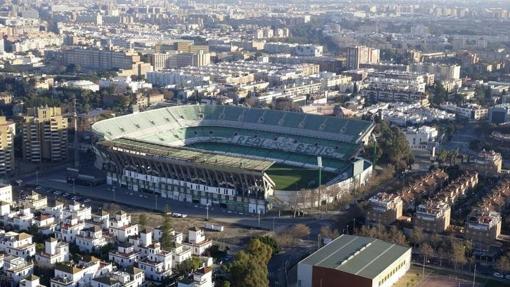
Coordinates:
288 177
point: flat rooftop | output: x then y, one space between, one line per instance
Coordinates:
362 256
189 155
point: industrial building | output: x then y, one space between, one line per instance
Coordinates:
354 261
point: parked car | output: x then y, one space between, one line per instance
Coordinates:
497 275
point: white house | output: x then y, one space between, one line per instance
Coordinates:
422 138
121 227
54 252
156 263
17 244
90 239
69 229
197 241
200 278
17 268
132 277
80 274
6 193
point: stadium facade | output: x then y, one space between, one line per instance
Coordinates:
238 158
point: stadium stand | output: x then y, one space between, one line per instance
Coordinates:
186 145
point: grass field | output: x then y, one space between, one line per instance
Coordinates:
294 178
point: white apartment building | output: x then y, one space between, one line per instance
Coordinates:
6 193
17 244
123 84
21 219
31 281
90 239
200 278
442 72
133 277
80 274
157 263
467 111
35 201
421 138
197 241
126 255
69 229
54 252
121 227
77 210
16 268
181 253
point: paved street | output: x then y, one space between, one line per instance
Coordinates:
55 179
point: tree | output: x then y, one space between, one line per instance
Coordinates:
426 250
166 230
328 232
396 236
458 253
439 94
417 236
189 265
393 147
299 231
39 247
503 263
271 242
249 268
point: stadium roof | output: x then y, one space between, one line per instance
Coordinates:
363 256
166 119
188 155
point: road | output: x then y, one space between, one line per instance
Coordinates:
55 179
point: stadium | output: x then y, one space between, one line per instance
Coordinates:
243 159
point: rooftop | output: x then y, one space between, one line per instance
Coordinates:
362 256
189 155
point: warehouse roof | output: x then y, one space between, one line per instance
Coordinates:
362 256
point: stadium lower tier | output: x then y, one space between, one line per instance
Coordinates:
231 177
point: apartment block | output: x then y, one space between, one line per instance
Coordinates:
7 132
384 208
483 226
362 55
97 59
45 134
432 216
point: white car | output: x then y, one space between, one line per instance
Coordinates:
497 275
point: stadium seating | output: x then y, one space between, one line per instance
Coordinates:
283 136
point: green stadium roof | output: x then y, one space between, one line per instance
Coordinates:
363 256
192 156
167 119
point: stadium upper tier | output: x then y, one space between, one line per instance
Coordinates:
179 126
